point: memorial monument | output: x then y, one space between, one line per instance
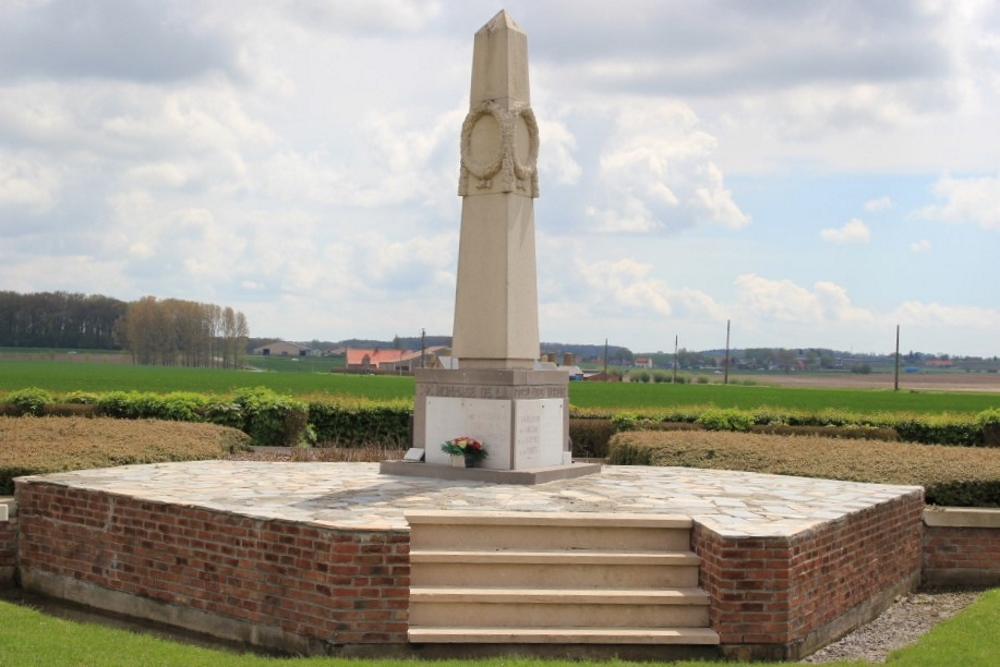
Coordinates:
521 415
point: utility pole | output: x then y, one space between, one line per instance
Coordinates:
423 348
674 381
725 377
896 383
605 358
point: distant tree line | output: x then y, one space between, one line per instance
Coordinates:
61 320
170 332
173 332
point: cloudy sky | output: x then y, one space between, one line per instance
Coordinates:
815 172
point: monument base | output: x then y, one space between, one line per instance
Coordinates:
525 477
520 416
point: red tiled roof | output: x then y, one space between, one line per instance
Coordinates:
356 357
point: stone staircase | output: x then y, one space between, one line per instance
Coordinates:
554 578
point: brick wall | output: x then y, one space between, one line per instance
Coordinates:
8 541
772 598
305 580
961 547
781 596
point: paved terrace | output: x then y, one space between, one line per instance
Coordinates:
356 496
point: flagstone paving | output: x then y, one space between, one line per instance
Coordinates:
356 495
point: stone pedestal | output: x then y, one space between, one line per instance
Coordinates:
520 416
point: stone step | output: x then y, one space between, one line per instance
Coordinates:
558 635
610 608
553 530
555 578
580 569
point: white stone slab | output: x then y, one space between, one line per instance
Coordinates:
538 433
486 420
414 454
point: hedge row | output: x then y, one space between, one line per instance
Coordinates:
967 430
591 436
353 422
34 446
267 417
952 476
273 419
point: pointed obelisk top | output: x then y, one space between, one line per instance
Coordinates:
500 63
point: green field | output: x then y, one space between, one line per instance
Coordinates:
312 377
631 395
297 380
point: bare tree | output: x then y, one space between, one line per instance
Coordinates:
174 331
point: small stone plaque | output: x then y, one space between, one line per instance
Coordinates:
414 454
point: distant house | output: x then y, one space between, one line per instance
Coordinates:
359 359
643 362
939 363
396 361
280 348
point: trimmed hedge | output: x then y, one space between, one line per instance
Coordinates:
274 419
355 422
852 432
953 476
590 437
37 445
965 430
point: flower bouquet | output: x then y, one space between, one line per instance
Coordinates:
465 451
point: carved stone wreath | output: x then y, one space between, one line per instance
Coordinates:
524 177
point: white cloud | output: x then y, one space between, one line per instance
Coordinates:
656 173
401 166
408 264
836 305
854 231
953 317
923 245
627 287
762 299
160 174
974 200
632 216
28 183
780 300
880 204
557 158
373 16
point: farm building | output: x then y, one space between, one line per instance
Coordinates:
280 348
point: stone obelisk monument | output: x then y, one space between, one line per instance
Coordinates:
496 303
521 415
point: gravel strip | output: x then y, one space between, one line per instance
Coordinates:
901 624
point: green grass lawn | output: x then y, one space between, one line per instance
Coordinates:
27 637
